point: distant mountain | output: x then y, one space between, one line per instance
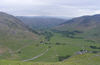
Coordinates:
89 25
41 22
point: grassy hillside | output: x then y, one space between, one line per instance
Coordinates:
87 25
85 59
14 35
59 49
61 46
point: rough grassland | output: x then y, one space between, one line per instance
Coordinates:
67 46
85 59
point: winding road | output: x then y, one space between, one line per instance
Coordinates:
36 56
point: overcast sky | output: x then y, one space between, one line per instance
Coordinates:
68 8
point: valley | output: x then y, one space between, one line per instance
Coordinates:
62 44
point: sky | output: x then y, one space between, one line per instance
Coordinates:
66 8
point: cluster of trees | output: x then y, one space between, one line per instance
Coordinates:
57 43
95 34
95 51
32 30
62 58
70 34
94 47
47 35
90 41
47 43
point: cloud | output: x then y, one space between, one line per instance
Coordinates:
68 8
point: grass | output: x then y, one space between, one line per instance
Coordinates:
67 46
85 59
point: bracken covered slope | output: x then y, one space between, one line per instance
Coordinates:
13 34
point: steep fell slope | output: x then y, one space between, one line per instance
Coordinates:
13 35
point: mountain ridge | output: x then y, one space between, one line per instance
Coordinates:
41 22
89 25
